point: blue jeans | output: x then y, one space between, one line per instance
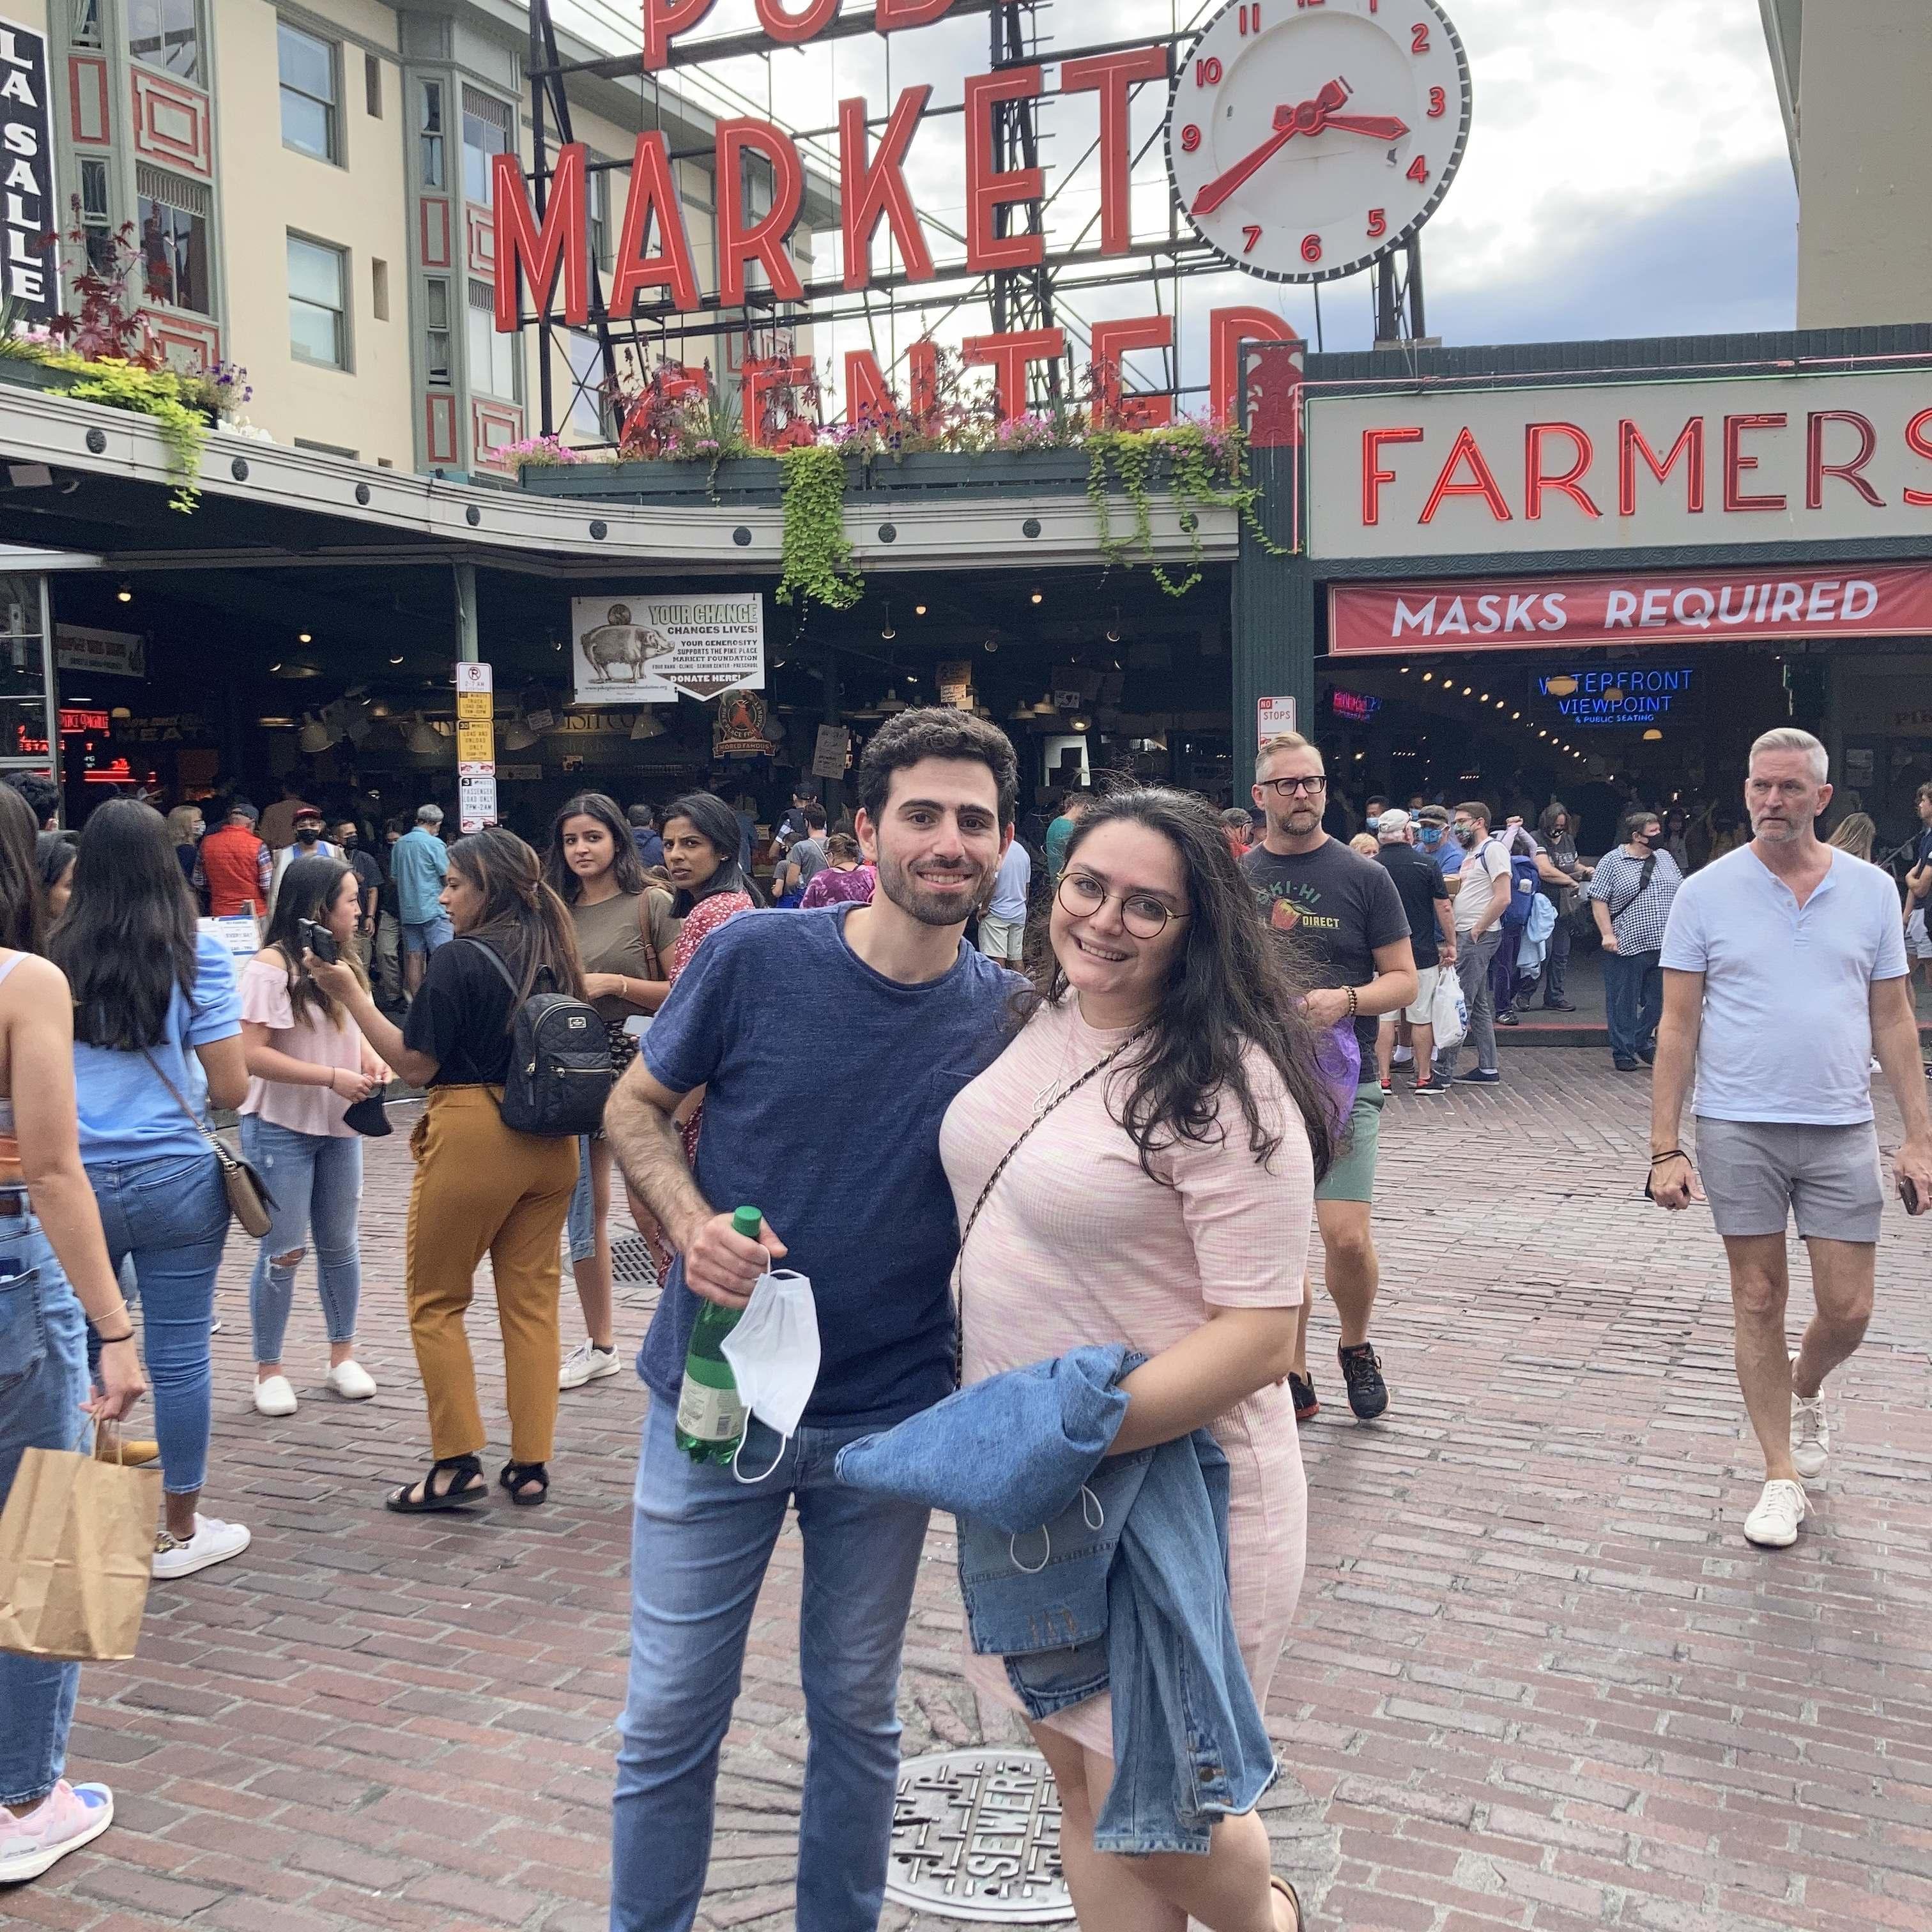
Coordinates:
42 1383
171 1214
1633 1001
316 1180
700 1542
581 1224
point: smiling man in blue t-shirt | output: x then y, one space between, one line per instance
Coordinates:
887 1015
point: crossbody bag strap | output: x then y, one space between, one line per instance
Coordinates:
223 1152
1643 880
1066 1094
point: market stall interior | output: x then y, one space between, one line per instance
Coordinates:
343 675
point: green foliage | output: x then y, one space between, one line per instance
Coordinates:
817 558
1204 469
156 395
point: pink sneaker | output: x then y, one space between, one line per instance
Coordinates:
69 1816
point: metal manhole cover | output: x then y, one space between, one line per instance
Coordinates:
976 1834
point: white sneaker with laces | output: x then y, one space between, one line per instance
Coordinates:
69 1816
274 1396
1773 1524
587 1362
214 1541
1810 1433
352 1381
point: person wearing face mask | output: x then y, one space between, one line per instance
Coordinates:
368 889
309 844
1433 841
916 1014
1630 895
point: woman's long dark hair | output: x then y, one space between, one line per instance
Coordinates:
308 889
523 919
22 897
126 940
1553 810
718 825
627 867
1228 988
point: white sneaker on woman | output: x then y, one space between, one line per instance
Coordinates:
1773 1524
352 1381
587 1362
274 1396
214 1541
69 1816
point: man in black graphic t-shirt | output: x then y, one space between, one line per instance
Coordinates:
1342 920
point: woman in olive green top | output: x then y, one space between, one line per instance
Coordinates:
624 933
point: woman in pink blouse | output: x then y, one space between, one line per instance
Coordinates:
1164 1204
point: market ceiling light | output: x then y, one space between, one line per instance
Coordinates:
397 659
992 644
125 595
303 637
918 610
1114 628
1429 677
1515 715
1039 596
1652 735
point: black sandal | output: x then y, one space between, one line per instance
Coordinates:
465 1485
518 1477
1293 1897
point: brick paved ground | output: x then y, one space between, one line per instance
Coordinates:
1538 1679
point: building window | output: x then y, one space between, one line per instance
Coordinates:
166 34
492 358
309 123
372 85
173 218
589 416
86 31
318 303
436 339
96 216
487 126
430 130
597 201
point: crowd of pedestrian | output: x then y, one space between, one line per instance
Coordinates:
1191 1029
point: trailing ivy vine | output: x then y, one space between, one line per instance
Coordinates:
1203 471
817 558
155 393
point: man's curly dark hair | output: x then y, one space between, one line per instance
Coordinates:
937 731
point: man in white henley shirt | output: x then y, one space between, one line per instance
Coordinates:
1784 972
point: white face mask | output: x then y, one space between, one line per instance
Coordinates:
773 1353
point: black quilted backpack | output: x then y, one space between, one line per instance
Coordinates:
560 1073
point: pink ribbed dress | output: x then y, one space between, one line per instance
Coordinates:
1076 1245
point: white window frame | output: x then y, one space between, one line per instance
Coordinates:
332 107
343 313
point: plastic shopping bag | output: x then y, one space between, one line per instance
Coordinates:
1448 1012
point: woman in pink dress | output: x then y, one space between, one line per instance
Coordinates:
1165 1203
700 844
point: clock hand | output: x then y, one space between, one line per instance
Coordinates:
1383 127
1310 117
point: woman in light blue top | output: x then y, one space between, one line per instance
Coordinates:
157 1037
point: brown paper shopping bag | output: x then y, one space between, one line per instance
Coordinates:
76 1551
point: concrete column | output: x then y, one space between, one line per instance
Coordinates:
465 577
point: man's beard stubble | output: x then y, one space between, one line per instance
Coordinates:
898 883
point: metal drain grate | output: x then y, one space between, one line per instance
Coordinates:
631 1262
975 1835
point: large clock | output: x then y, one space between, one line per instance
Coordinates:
1305 138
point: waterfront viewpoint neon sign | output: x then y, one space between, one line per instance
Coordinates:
655 258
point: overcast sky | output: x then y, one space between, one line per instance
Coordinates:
1626 172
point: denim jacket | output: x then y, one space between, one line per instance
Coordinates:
1087 1574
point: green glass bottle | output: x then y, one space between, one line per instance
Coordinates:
710 1417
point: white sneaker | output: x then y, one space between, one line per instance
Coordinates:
274 1396
352 1381
1810 1433
1774 1524
214 1541
69 1816
587 1362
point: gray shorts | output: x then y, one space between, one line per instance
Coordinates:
1757 1172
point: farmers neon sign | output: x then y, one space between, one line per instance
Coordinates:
655 257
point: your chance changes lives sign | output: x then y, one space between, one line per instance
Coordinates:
645 650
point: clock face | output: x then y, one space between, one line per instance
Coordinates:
1305 138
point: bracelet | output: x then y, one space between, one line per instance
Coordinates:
113 1341
1675 1153
1355 1002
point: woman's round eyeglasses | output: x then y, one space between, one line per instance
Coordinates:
1080 895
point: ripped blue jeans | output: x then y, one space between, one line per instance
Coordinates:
316 1180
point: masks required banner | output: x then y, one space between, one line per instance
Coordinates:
645 650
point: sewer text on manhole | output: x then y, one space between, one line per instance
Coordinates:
975 1835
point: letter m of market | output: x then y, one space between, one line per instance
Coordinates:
1788 500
